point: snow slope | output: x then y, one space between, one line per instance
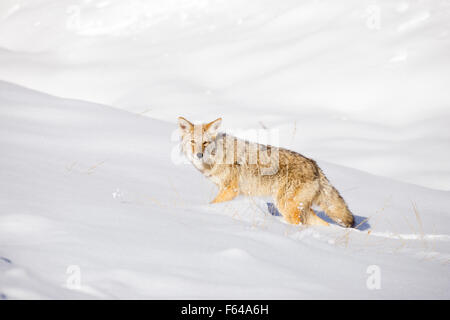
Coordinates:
94 187
363 84
92 184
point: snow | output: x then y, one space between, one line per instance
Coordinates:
90 174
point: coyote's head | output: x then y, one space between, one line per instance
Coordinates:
198 140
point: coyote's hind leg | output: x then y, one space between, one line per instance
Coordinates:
297 209
289 210
311 218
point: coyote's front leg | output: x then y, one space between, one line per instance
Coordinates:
228 191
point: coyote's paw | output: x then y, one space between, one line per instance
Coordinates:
347 221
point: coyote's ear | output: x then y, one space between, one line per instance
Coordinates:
185 125
213 126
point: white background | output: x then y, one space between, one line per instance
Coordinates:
87 176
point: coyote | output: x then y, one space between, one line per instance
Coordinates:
241 167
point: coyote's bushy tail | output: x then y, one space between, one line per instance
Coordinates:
332 203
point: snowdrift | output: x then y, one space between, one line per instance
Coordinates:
94 189
363 84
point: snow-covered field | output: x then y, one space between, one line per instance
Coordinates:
94 204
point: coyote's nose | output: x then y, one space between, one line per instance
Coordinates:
199 155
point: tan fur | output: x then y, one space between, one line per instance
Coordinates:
240 167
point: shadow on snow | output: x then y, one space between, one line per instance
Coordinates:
361 223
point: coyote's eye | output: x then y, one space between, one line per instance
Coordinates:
205 143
